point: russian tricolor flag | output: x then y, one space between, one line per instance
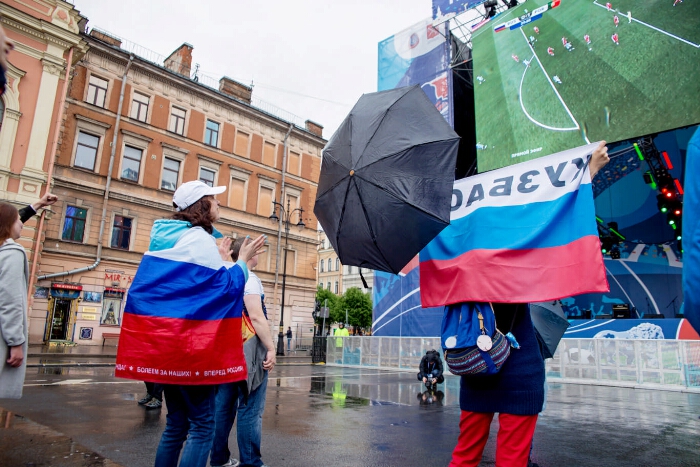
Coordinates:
182 319
524 233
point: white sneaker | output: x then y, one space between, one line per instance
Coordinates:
231 463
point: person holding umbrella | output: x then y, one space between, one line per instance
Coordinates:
517 392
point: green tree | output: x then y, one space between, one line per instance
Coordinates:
321 296
358 305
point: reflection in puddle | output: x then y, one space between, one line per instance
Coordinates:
351 391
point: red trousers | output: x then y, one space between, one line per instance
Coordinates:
512 445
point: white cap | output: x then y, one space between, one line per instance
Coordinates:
191 192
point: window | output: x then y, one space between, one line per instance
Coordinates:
139 106
211 136
337 264
329 265
241 144
328 286
97 91
177 121
336 287
265 194
322 263
237 194
2 111
74 225
349 269
86 150
207 176
131 164
269 155
171 171
293 161
121 232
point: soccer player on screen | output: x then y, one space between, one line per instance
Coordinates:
480 79
616 20
536 29
615 39
569 47
564 40
677 1
556 79
515 57
550 51
608 6
587 38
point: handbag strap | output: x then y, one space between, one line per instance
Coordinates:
512 322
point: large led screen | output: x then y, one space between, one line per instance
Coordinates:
550 76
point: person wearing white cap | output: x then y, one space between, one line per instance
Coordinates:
188 335
191 192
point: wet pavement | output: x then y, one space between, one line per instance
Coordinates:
320 415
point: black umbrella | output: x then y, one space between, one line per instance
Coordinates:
386 179
550 324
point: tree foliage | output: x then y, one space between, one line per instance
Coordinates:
321 296
358 305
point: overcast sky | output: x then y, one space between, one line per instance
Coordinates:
312 58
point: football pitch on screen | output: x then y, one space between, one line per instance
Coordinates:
531 101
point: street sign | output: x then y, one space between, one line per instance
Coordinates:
323 313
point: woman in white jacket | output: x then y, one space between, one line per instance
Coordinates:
14 275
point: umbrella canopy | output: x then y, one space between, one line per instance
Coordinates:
386 179
550 324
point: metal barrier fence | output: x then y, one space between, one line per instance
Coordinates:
654 364
300 344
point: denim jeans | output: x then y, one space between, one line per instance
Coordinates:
226 408
191 418
250 426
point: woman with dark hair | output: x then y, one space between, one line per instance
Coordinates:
14 277
182 321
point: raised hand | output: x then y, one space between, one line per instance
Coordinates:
599 158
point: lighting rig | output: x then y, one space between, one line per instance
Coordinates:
610 238
669 200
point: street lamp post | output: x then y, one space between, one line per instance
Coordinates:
284 218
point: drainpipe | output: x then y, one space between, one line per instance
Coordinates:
52 160
279 223
107 185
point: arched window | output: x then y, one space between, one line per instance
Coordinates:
328 286
336 287
330 265
321 270
337 264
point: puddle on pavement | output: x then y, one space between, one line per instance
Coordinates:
337 393
24 442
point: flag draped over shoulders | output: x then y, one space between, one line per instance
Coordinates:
524 233
182 319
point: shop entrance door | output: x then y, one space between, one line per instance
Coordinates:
59 320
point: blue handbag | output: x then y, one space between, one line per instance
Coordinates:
472 344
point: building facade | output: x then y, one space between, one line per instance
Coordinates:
133 131
47 40
329 269
351 278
